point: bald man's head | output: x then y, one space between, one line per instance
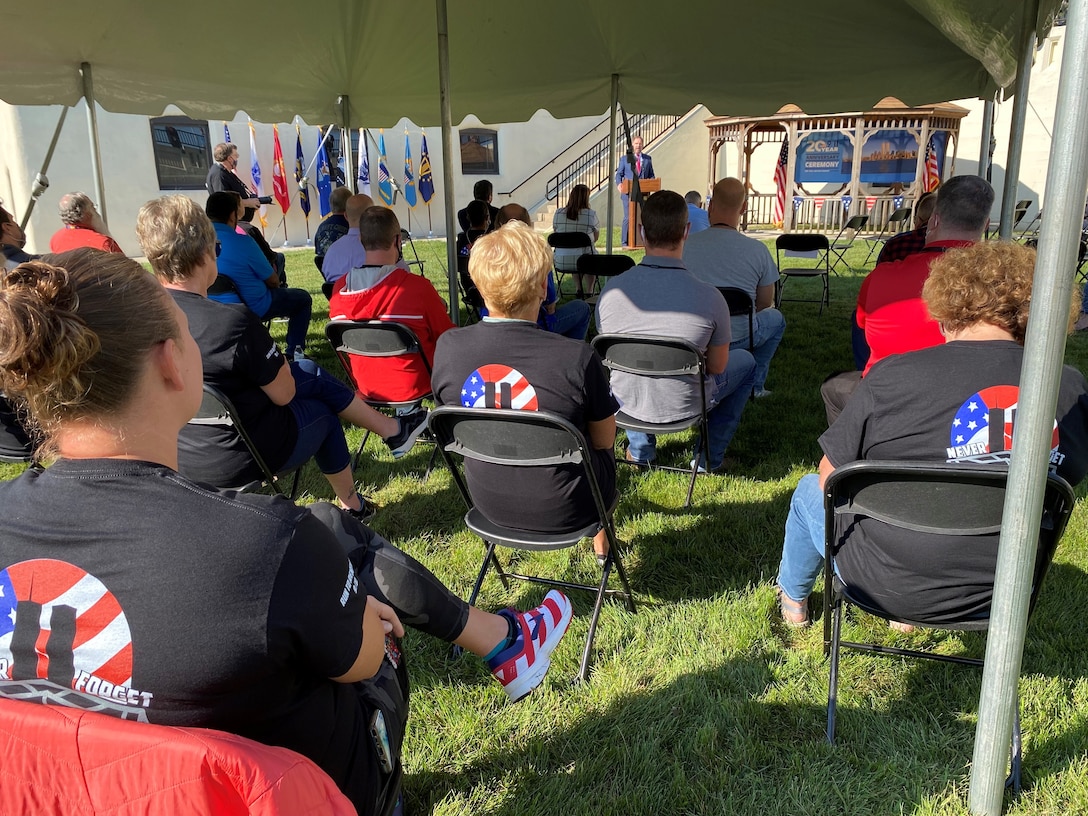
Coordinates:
356 206
728 198
513 212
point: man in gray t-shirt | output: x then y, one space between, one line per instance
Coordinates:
660 297
722 256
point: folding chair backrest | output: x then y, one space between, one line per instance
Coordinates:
898 217
856 222
15 445
802 244
649 355
516 438
604 266
375 338
738 301
216 408
570 240
951 511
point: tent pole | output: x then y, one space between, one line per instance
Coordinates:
447 151
614 106
985 156
1067 179
41 181
1019 117
344 101
92 131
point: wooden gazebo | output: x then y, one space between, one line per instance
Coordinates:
824 184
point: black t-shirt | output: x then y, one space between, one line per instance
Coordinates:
950 403
156 599
239 357
517 365
221 180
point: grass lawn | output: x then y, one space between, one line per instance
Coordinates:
703 702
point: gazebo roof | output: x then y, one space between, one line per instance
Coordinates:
887 108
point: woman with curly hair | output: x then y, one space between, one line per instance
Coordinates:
935 404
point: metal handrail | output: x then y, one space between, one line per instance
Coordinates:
591 168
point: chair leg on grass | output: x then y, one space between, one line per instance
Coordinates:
833 680
1016 752
359 453
489 558
583 671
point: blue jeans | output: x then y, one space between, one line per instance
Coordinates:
296 305
319 399
572 319
858 342
769 326
731 391
803 546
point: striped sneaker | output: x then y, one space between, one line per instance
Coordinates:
521 666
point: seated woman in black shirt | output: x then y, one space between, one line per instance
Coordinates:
510 266
171 602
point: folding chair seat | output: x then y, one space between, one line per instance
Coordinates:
378 338
216 408
569 240
892 226
804 245
603 266
845 239
521 439
659 357
946 516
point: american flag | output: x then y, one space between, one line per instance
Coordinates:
780 182
931 173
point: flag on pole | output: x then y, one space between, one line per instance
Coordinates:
324 180
300 175
426 180
279 175
931 173
255 173
409 176
385 187
226 133
780 182
341 177
364 163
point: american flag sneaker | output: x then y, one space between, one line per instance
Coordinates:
521 666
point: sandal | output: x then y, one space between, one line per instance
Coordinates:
794 613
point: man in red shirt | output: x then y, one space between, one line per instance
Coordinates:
890 307
83 226
385 289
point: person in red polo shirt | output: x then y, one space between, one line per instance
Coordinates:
83 226
890 307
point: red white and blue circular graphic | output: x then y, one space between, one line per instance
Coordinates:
984 423
498 386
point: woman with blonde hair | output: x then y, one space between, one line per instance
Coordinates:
577 217
936 404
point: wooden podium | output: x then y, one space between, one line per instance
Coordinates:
634 212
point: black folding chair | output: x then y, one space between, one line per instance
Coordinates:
603 266
947 516
892 226
1018 214
216 408
529 439
15 444
660 358
471 298
378 338
797 245
568 240
740 304
845 239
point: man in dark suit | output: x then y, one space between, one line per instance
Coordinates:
642 168
482 190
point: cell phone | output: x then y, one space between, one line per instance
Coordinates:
380 735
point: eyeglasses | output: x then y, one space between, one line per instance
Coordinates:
218 248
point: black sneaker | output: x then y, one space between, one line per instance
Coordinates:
411 426
365 512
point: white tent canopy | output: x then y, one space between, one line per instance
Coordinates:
503 62
508 60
